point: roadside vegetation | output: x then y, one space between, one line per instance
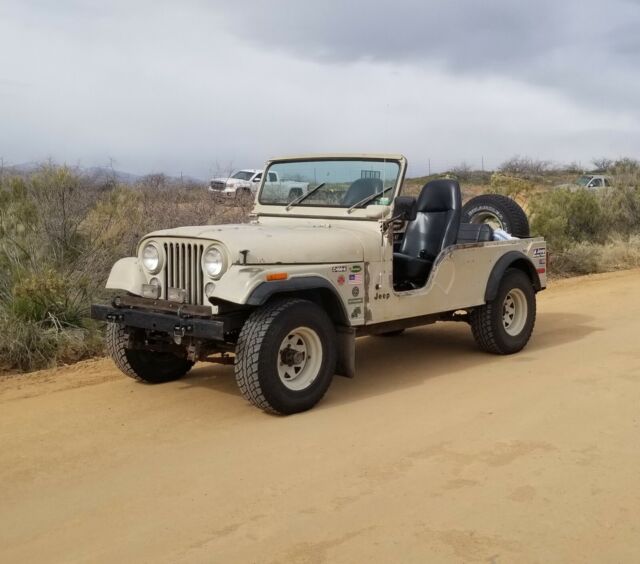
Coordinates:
587 231
61 231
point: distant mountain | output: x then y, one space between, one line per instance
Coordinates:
103 173
24 168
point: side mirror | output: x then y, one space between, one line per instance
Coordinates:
405 208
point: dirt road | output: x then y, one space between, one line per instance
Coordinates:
435 452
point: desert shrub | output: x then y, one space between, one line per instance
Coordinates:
570 168
621 209
602 163
510 185
519 189
625 173
462 172
587 257
564 217
31 345
60 233
525 167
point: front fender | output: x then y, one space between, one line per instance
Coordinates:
127 275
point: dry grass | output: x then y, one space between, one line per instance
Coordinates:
589 258
60 233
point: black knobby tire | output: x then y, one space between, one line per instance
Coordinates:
487 322
258 350
499 211
146 366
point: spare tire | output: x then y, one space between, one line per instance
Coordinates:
498 211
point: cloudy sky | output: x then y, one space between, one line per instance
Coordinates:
196 85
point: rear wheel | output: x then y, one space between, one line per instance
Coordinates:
285 356
499 211
504 325
146 366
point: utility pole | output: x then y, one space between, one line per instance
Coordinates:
429 167
482 163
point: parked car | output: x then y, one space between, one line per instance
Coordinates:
588 181
284 297
243 182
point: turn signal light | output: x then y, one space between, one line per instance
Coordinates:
177 295
151 291
277 276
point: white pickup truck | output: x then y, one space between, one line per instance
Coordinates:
240 183
245 182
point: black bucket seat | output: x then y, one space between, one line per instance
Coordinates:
435 228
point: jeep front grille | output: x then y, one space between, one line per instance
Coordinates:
184 270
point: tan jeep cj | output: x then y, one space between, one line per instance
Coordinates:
333 252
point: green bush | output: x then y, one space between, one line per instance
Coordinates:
621 209
563 217
588 258
30 345
60 233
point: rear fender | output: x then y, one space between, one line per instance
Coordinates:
512 259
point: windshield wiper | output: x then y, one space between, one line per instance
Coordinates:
304 196
368 199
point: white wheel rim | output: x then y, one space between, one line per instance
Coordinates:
489 218
514 312
299 358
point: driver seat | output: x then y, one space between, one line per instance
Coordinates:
360 189
435 228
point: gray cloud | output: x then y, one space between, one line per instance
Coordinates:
160 85
579 47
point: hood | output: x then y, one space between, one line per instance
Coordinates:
276 244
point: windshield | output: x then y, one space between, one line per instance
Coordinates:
330 183
243 175
583 180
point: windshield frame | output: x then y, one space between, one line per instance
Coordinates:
321 210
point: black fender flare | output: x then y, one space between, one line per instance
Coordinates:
298 284
511 259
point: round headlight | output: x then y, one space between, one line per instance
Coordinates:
213 262
151 258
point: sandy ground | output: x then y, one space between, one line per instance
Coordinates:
435 452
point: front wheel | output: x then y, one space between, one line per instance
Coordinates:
146 366
285 356
504 325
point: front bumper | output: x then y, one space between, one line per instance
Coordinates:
228 192
221 328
